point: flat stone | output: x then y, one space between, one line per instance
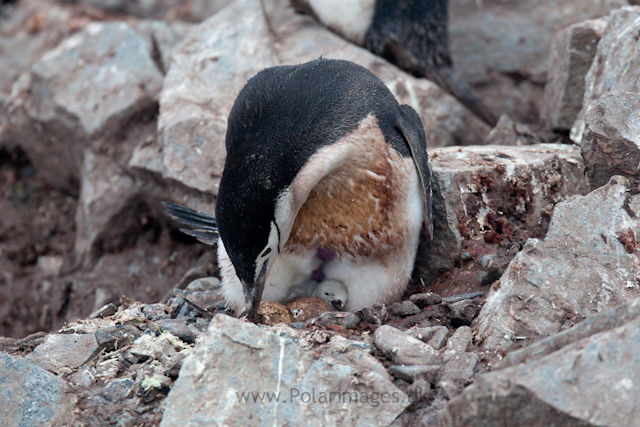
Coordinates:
404 349
611 138
572 53
211 373
582 267
118 390
150 346
31 396
62 352
403 309
425 299
83 377
341 318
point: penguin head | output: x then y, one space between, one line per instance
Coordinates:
335 293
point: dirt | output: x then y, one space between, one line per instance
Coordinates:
41 287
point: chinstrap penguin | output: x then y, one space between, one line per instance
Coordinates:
321 159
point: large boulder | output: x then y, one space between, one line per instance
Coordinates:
216 59
587 263
611 138
572 53
616 65
489 199
241 373
502 46
31 396
593 381
86 92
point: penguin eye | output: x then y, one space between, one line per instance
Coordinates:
266 252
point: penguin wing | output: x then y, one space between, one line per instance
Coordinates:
411 128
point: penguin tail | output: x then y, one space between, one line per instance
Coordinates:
202 226
446 78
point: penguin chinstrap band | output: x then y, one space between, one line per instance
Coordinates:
326 179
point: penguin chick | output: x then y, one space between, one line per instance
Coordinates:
412 34
334 292
321 159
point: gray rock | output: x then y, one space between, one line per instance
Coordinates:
106 218
83 377
515 188
426 299
439 338
502 47
115 337
572 53
616 64
152 347
458 371
155 311
204 284
31 396
592 382
427 334
118 390
376 314
460 340
611 138
403 309
106 311
92 91
592 325
179 328
206 74
340 318
429 373
403 349
222 369
60 353
587 263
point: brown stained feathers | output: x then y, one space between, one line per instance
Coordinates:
357 209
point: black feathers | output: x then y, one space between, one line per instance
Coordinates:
203 226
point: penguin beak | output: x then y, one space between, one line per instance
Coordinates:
337 304
253 294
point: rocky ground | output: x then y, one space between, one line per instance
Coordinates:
523 311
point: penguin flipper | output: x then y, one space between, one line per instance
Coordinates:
410 126
203 226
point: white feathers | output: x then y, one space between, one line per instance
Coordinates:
349 18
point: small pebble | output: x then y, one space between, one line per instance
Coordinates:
105 311
341 318
204 284
426 299
155 312
376 314
403 309
466 256
118 390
